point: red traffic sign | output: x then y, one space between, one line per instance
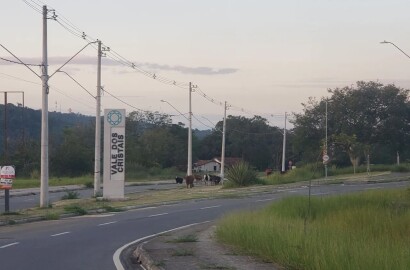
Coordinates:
325 159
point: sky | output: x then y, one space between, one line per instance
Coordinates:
262 57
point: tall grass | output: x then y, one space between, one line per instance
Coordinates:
361 231
314 171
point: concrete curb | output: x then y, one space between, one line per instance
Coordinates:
143 258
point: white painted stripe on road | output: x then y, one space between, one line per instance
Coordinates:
58 234
116 256
107 223
145 208
156 215
373 188
264 200
9 245
209 207
28 200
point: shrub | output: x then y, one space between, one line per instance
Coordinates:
70 195
89 184
35 174
241 174
76 209
52 216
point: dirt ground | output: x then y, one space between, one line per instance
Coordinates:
193 248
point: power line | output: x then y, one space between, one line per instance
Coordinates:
15 62
113 55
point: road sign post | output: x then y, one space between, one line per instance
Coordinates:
7 174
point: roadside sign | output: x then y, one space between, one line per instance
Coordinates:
7 174
325 159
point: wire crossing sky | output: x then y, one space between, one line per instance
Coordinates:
265 58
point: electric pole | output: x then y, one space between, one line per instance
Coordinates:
44 200
189 169
284 147
223 146
326 143
97 149
6 191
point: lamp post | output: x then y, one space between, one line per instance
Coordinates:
397 47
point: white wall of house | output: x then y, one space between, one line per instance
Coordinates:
209 167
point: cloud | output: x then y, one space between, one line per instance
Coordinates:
88 60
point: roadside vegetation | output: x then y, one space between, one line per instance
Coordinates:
367 230
315 171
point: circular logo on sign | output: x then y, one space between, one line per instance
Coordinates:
114 117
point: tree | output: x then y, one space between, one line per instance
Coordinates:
376 115
249 138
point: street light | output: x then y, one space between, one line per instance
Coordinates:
388 42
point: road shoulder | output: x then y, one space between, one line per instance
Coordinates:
170 251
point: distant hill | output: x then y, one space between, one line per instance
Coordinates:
26 123
200 134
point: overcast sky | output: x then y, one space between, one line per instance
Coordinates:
266 57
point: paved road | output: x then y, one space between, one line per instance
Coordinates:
89 242
33 200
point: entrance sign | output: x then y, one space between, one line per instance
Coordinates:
114 153
7 174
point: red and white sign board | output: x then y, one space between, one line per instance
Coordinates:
7 174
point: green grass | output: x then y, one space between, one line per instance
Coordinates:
315 171
361 231
19 183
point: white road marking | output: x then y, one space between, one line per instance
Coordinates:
9 245
58 234
373 188
209 207
28 200
116 256
156 215
264 200
141 209
107 223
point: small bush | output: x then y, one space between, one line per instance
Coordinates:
35 174
110 208
241 174
52 216
70 195
89 184
76 209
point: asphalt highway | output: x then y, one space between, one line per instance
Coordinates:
90 242
33 200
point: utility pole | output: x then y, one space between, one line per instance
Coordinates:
223 146
97 149
44 200
6 191
284 147
326 143
189 169
398 158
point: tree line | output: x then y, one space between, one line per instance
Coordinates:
366 120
